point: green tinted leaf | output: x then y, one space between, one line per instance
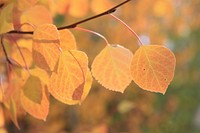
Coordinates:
33 89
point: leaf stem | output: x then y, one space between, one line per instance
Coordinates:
4 50
93 32
129 28
77 23
21 54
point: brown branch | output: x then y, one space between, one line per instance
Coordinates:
79 22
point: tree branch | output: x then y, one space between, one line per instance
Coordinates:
79 22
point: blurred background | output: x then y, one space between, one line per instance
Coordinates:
173 23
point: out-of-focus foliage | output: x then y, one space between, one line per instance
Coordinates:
174 23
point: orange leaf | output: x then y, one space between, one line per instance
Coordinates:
46 46
68 83
153 68
37 110
67 40
112 67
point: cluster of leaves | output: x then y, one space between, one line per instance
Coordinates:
48 62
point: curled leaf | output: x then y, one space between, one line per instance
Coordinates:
67 84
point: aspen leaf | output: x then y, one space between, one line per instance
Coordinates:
86 90
13 112
67 40
68 83
46 46
111 67
25 43
6 19
37 110
87 86
36 15
41 74
153 67
19 59
32 89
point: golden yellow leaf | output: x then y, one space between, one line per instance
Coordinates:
67 84
25 43
111 67
27 55
86 90
6 19
41 74
36 15
39 111
87 86
67 40
153 67
46 46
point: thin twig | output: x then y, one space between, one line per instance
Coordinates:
79 22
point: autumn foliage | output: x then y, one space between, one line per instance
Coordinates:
42 60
